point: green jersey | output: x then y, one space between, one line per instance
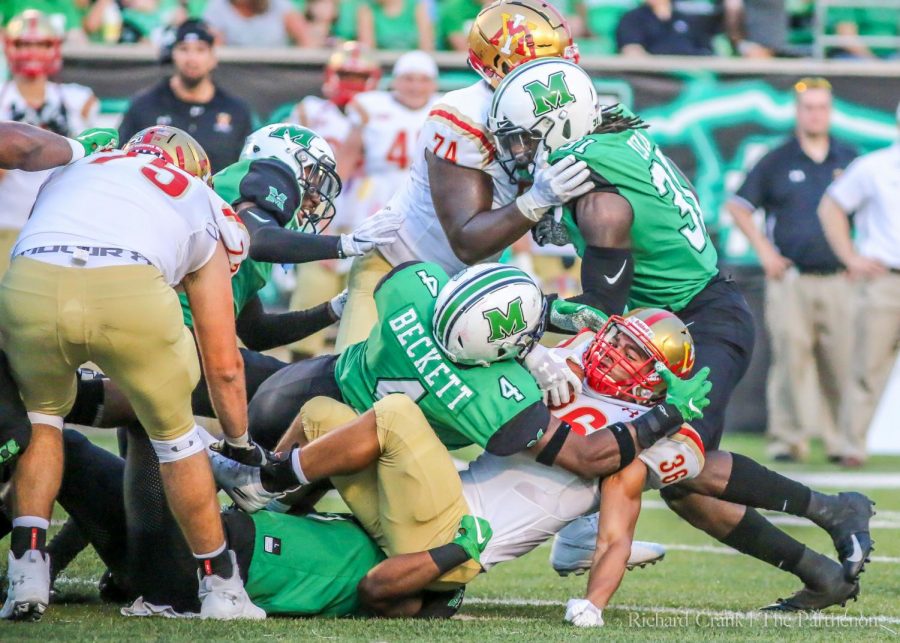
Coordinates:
252 275
464 405
309 565
674 257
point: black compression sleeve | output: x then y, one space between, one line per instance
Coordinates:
521 431
262 331
447 557
606 276
273 244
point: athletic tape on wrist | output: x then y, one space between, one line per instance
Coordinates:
78 152
660 421
449 556
548 454
180 448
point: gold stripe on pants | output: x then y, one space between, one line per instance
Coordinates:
125 319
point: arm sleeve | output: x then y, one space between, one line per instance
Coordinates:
851 189
521 431
262 331
752 194
271 243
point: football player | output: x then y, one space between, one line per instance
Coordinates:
386 125
641 234
455 178
92 278
33 52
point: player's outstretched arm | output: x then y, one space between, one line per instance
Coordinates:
30 148
620 497
261 331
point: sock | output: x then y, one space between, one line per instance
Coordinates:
754 485
281 475
243 441
28 532
295 465
65 546
217 563
757 537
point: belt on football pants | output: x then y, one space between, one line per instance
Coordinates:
81 254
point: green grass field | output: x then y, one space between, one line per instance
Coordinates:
701 591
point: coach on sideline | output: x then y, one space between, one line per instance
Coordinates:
871 188
809 326
190 100
92 278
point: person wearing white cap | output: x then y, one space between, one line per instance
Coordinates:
870 187
385 125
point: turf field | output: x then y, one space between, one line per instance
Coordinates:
700 591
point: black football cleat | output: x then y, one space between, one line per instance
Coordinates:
810 600
849 530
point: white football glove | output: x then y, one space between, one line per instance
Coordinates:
580 612
555 184
380 229
338 302
553 375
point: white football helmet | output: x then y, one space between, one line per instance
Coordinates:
312 161
487 313
545 104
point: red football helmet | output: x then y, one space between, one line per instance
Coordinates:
349 71
33 45
620 361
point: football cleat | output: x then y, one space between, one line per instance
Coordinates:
811 600
241 482
573 548
225 598
849 530
29 586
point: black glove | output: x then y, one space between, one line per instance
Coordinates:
252 455
272 187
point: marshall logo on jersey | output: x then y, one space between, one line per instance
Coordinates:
272 545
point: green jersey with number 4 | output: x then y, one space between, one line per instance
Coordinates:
674 257
309 565
464 405
252 275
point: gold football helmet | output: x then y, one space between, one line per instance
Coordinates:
351 69
174 146
620 361
509 33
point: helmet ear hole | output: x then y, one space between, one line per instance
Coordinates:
567 128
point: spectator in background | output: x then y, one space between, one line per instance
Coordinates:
256 23
864 21
601 19
761 31
64 15
809 322
32 47
131 21
190 100
397 25
871 188
455 20
321 17
657 28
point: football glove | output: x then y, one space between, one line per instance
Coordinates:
580 612
98 139
550 230
555 184
338 302
252 455
378 230
553 376
688 396
572 316
473 535
271 186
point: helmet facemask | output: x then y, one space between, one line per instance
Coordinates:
319 188
620 363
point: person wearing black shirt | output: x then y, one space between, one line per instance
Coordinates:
807 309
657 28
191 101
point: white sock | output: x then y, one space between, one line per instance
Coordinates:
295 465
212 554
241 442
31 521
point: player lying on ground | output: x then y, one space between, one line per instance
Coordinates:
642 237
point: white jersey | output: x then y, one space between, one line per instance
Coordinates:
153 212
527 503
389 132
68 109
455 131
323 117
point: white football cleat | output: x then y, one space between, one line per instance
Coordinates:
241 482
573 548
29 586
225 598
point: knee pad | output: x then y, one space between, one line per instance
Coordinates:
179 448
322 414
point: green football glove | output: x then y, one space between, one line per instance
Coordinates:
98 139
473 535
572 316
688 396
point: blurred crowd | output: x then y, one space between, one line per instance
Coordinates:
745 28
